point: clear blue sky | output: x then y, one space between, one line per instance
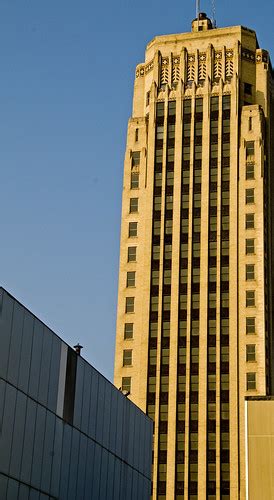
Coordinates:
66 79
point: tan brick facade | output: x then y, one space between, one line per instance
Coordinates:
224 64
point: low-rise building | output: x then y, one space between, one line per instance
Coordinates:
65 431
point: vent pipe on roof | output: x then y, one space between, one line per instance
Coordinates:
78 348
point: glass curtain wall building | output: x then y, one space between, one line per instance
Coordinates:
194 327
65 431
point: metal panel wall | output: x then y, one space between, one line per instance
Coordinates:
95 444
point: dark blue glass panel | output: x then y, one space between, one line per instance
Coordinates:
7 428
131 443
78 392
117 482
15 344
100 410
93 404
13 489
97 471
36 359
2 399
34 494
103 477
25 358
45 367
6 310
23 492
119 426
128 481
89 469
28 441
82 467
18 435
74 464
3 486
54 373
106 414
57 457
37 458
113 421
86 399
134 495
48 452
110 473
65 464
125 430
136 442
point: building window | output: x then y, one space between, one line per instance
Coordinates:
133 205
169 178
169 202
130 279
156 252
160 132
170 154
129 304
250 272
131 254
166 302
172 108
154 304
147 98
250 298
251 381
249 196
126 383
134 180
135 158
136 135
249 246
248 88
250 325
168 252
152 357
132 229
159 156
157 227
128 331
250 148
153 330
158 179
249 171
167 277
127 357
168 227
157 203
251 352
250 123
155 278
249 221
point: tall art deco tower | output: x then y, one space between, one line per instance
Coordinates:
194 326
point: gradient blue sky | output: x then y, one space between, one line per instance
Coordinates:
66 80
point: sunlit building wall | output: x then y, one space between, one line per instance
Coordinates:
194 321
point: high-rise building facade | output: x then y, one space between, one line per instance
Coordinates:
194 320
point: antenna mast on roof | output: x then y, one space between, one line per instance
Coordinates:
213 12
197 9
